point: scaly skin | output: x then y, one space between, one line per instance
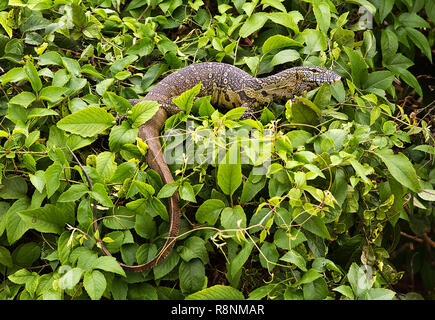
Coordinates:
228 87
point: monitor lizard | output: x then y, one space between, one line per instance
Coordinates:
228 87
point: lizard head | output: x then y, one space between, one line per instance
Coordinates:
316 75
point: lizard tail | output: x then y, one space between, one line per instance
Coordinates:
150 133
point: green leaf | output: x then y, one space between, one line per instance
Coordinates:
420 41
87 122
142 112
209 211
192 276
52 94
359 68
122 135
185 100
288 20
121 64
268 255
105 165
78 16
166 265
186 192
194 247
103 86
217 292
255 22
74 193
239 260
52 178
400 168
379 79
13 187
284 56
5 257
70 279
229 175
49 218
32 74
99 193
314 224
364 3
252 186
109 264
23 99
95 284
279 41
308 277
295 258
233 218
15 226
323 15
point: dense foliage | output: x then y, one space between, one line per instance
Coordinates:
334 198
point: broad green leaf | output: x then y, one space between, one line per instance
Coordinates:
420 41
23 99
87 122
323 15
239 260
252 186
32 75
15 226
217 292
142 112
194 247
284 56
400 168
108 264
379 79
72 66
52 178
186 192
364 3
74 193
52 94
309 276
255 22
313 224
50 58
288 20
279 41
315 290
233 218
103 86
166 265
268 255
5 257
49 218
358 67
95 284
13 187
121 64
70 278
380 294
99 193
209 211
192 276
295 258
120 104
229 175
13 75
185 100
105 164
